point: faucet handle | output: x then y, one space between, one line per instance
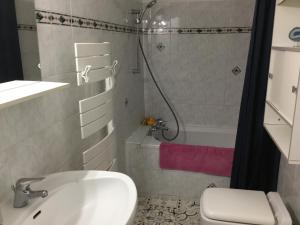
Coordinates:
25 182
161 122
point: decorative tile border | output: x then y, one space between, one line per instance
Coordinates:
74 21
236 70
203 30
27 27
45 17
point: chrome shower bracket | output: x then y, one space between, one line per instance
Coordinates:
135 71
137 13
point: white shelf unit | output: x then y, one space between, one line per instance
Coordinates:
281 135
282 111
290 49
289 3
15 92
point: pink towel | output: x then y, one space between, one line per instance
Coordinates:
210 160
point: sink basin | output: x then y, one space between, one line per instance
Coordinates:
78 198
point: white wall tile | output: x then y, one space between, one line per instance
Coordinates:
42 136
289 186
62 6
28 39
196 71
25 11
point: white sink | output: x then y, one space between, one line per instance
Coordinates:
78 198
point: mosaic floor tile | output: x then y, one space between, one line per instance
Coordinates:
163 211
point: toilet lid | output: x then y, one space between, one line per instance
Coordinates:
238 206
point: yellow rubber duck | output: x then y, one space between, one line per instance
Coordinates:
150 121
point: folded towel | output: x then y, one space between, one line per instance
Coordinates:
205 159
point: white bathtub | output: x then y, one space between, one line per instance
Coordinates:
142 164
196 135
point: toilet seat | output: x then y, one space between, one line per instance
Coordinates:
206 221
232 206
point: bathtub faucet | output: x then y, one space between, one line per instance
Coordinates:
160 125
161 122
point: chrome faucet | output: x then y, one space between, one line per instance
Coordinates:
160 125
161 122
23 192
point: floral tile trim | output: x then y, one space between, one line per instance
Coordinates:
74 21
236 70
162 211
54 18
203 30
26 27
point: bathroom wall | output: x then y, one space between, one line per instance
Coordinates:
43 135
202 62
289 188
28 39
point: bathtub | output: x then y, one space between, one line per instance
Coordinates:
195 135
142 163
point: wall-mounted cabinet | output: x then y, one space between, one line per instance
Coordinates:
289 3
282 111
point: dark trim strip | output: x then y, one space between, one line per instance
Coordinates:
26 27
201 30
45 17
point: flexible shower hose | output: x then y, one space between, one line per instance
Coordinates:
162 95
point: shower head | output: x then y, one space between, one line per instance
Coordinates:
148 6
151 4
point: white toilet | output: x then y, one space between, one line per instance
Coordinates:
221 206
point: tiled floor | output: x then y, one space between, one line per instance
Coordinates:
167 211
